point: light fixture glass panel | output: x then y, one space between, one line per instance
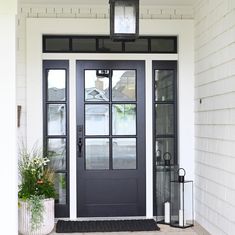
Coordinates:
125 19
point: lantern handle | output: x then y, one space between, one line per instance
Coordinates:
181 177
165 156
178 171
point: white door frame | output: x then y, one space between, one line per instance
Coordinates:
36 27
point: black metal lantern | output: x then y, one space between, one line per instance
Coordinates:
124 19
165 173
182 214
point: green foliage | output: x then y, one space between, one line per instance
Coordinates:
37 209
37 182
36 177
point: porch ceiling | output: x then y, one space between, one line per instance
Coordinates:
105 2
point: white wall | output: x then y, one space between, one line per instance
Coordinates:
8 172
215 116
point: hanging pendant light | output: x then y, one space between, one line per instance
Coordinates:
124 19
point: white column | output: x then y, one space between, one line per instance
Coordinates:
72 135
149 139
8 172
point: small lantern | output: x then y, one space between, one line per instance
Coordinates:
124 19
167 188
165 173
182 214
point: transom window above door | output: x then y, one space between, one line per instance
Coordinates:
104 44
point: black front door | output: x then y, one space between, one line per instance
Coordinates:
111 138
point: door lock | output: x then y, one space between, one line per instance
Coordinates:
79 139
80 146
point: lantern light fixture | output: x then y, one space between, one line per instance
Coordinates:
124 20
182 213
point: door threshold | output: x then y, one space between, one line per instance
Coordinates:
105 218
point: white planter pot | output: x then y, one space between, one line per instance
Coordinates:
24 216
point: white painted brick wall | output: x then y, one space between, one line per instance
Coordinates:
215 115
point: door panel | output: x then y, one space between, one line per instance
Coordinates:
111 138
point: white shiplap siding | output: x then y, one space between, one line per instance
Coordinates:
215 115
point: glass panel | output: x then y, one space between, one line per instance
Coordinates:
164 85
56 119
164 145
125 18
124 153
57 44
57 153
97 119
97 154
163 45
124 85
139 45
97 85
164 119
56 85
124 119
108 45
60 186
84 44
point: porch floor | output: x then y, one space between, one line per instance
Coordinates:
165 230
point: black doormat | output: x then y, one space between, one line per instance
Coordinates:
106 226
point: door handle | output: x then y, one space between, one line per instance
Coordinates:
80 144
79 139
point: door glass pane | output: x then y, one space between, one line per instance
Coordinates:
164 145
57 153
124 119
164 85
124 153
97 154
56 119
97 119
97 85
60 186
164 119
124 85
56 85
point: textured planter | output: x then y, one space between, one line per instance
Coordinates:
25 218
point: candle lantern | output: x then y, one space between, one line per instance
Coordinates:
182 214
165 173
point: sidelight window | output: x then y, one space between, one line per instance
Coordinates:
56 128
